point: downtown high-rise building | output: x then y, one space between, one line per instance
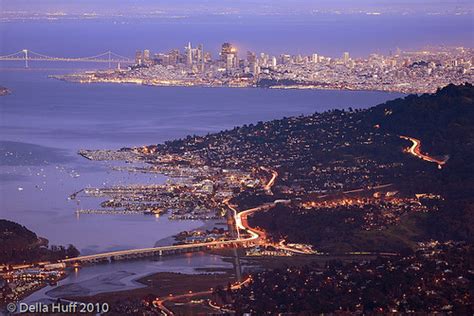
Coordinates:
273 61
227 49
346 57
189 54
146 57
138 57
173 57
200 57
251 57
230 62
229 56
285 58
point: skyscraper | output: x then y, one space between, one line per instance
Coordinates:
264 59
146 56
227 49
173 57
274 61
138 57
346 57
285 58
254 69
251 57
189 54
229 62
200 53
200 57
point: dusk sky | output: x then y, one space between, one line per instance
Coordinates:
298 26
237 7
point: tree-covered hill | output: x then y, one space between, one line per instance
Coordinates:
18 245
339 151
444 121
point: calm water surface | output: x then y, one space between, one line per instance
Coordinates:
122 275
44 122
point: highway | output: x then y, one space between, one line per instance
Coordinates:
415 150
240 218
254 235
240 222
270 183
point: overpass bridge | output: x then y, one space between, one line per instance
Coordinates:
161 251
253 236
26 56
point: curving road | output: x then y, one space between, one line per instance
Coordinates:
240 221
270 183
415 150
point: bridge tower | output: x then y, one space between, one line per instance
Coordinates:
110 58
25 51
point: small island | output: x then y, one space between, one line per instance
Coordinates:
4 91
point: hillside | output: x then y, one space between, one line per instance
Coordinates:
19 245
444 121
328 154
16 239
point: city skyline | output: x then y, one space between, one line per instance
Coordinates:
253 157
399 71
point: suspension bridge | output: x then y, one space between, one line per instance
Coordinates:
27 56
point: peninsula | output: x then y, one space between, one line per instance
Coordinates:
338 184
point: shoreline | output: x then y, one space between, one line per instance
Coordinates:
140 82
163 283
